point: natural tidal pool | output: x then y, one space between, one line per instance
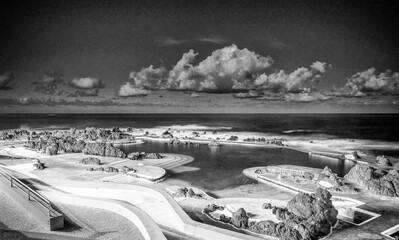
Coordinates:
218 168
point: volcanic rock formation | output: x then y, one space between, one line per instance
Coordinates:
376 181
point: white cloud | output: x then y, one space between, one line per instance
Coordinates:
299 80
87 83
150 78
129 90
224 70
369 81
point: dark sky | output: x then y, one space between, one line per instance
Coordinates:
108 39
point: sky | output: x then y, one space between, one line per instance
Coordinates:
77 56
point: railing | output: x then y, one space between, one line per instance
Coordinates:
32 194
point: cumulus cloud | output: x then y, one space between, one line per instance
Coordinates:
369 81
5 79
129 90
226 69
302 79
150 78
87 83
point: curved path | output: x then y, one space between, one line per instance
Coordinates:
156 203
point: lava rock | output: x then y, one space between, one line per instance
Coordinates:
103 149
375 181
240 218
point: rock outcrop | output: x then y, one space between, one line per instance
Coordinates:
166 134
174 141
143 155
240 218
328 176
13 134
375 181
187 192
307 216
103 149
212 207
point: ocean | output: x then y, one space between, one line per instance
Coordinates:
221 168
357 126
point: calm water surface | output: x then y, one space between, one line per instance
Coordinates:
221 167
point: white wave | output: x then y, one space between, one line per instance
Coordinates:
193 127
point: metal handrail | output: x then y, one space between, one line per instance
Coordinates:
31 193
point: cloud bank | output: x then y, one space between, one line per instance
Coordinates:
369 81
228 69
5 79
129 90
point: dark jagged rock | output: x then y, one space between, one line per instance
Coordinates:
167 134
223 218
187 192
266 206
143 155
306 206
383 161
135 155
240 218
174 141
103 149
126 169
212 207
111 170
153 156
328 176
375 181
38 165
233 138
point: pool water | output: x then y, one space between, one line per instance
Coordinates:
218 168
